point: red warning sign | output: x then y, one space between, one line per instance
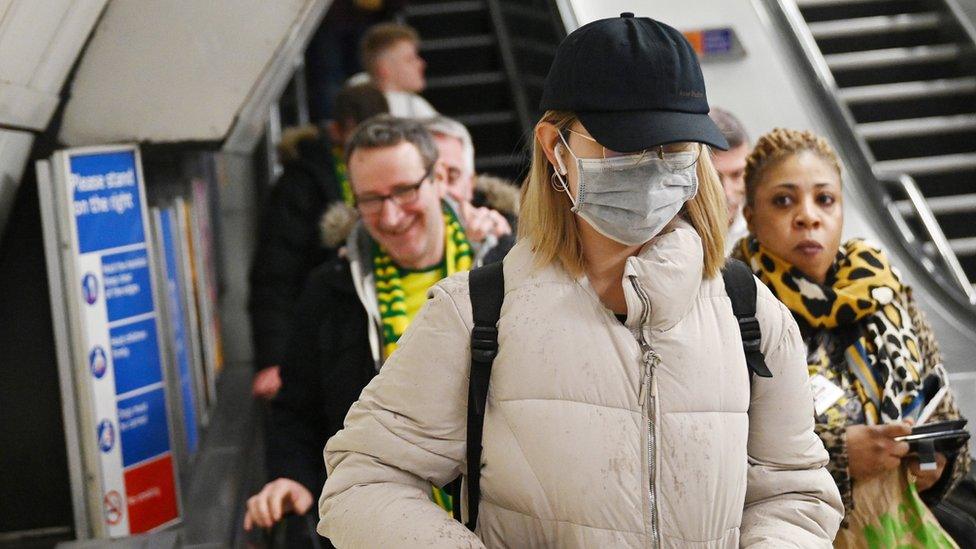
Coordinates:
112 503
151 494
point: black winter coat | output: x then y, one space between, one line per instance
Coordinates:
326 368
289 246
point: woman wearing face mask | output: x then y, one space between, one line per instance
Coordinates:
620 411
871 353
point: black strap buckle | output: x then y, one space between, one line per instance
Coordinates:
484 343
752 345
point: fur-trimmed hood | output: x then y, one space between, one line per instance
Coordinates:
289 148
340 219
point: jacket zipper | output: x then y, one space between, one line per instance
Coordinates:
649 360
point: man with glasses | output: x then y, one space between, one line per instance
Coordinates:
354 309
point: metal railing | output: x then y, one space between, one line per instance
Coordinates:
927 218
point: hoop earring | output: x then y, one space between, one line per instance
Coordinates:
557 182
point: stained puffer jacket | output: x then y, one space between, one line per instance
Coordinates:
588 441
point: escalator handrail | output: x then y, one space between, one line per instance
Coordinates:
924 214
567 15
853 147
509 65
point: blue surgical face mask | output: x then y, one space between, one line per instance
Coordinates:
631 198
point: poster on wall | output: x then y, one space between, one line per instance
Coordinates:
179 357
206 282
113 338
184 247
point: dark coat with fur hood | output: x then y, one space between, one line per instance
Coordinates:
289 246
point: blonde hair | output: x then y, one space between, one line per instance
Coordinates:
778 145
381 37
545 218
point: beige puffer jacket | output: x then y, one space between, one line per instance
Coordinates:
571 458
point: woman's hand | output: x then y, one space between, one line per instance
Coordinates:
872 449
926 479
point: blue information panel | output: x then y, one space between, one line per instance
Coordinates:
127 286
121 346
177 318
106 199
135 355
142 422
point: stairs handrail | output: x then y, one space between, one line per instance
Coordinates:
933 228
509 65
854 150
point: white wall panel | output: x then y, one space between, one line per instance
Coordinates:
39 42
184 70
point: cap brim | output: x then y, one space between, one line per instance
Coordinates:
626 131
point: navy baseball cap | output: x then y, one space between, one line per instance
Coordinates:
634 83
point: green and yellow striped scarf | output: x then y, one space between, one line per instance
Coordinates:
458 257
342 176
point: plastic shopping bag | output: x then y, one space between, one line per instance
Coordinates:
889 514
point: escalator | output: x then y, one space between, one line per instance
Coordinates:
893 84
486 62
903 75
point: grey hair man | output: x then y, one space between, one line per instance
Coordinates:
731 165
456 155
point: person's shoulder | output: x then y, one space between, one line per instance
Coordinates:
455 286
334 275
775 319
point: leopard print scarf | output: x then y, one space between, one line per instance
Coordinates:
863 291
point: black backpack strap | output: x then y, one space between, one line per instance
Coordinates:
487 288
741 287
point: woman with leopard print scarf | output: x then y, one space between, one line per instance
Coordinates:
871 350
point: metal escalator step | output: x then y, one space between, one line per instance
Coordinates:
828 3
486 118
927 165
527 12
882 24
537 46
893 57
443 8
457 42
963 246
909 90
470 79
917 126
496 161
942 205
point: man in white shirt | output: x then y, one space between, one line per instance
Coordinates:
390 55
731 165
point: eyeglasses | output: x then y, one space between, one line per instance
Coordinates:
674 154
403 195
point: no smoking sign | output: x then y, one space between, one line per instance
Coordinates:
113 507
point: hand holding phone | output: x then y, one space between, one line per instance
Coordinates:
944 437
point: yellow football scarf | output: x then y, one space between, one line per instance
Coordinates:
862 289
342 176
393 312
389 290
